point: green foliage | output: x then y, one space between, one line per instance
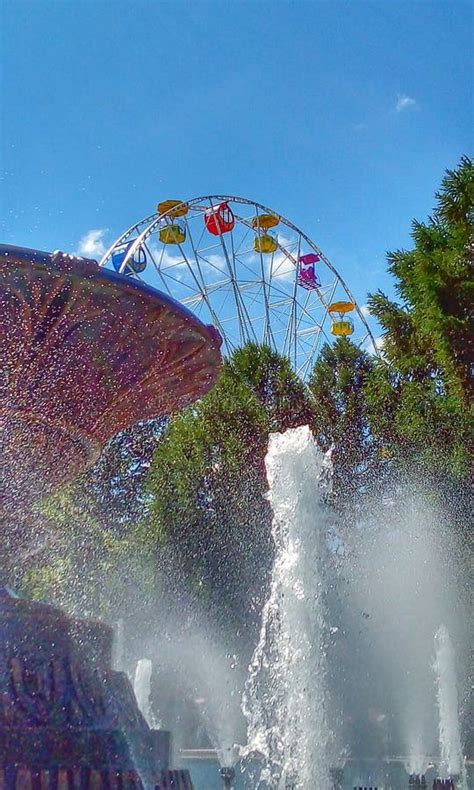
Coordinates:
421 403
207 481
274 383
341 418
84 568
115 484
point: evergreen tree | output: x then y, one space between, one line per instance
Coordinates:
341 420
114 486
80 566
272 380
83 549
207 481
421 402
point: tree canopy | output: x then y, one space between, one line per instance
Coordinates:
341 419
207 481
421 401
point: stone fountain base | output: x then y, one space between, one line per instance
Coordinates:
67 720
24 778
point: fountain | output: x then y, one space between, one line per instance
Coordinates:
417 780
390 684
449 732
118 645
142 687
85 353
285 700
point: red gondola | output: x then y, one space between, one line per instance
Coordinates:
219 219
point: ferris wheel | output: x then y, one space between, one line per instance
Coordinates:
247 270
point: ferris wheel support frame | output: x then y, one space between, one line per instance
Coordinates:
203 203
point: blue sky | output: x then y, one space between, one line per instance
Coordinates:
342 116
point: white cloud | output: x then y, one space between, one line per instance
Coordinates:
91 244
365 310
404 102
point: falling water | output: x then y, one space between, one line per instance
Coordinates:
417 760
142 688
119 644
449 731
285 697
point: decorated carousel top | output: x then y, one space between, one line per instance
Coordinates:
86 353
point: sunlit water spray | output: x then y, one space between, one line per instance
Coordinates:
206 680
449 730
285 700
142 688
119 646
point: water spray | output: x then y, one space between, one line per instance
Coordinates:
417 780
286 698
337 778
227 776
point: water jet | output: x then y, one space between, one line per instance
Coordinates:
417 780
227 776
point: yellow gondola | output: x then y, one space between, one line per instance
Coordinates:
340 307
342 328
265 221
172 234
174 208
265 243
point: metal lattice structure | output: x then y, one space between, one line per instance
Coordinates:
229 269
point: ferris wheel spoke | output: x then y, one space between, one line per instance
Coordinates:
200 281
225 300
244 238
248 284
311 359
164 271
239 303
308 363
303 309
210 264
246 265
292 312
322 333
268 338
203 232
157 269
200 285
267 332
248 294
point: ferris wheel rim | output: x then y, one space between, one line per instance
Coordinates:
152 223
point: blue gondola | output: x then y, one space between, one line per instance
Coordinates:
135 265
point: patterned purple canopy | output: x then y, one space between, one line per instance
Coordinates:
84 354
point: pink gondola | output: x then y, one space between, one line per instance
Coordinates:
307 276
